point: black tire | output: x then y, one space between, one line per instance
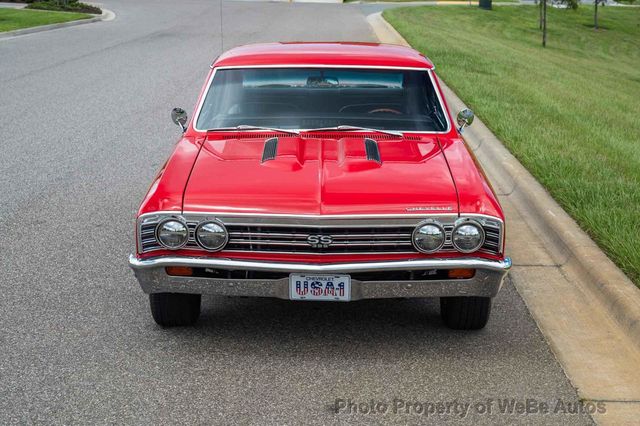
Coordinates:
465 313
175 309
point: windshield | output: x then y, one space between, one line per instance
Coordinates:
310 98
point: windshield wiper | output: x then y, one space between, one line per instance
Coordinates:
250 127
347 128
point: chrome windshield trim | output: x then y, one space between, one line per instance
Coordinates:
400 265
429 71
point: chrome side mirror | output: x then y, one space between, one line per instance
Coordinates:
464 119
179 117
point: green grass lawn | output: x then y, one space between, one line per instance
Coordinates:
15 19
570 113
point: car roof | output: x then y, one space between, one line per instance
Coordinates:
334 53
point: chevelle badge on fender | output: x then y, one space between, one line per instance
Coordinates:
327 172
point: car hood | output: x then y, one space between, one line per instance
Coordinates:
320 177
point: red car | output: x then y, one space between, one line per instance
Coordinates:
321 172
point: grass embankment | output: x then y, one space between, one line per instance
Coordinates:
15 19
570 113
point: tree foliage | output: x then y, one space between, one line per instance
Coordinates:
569 4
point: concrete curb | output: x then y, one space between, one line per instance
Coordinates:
570 247
106 15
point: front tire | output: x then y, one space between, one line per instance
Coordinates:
175 309
465 313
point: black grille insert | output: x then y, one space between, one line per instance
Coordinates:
273 238
421 275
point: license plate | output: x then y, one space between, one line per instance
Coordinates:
320 287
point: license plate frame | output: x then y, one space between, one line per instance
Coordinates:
320 287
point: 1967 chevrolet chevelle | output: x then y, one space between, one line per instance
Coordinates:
321 172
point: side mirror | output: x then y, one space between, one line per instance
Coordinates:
465 118
179 117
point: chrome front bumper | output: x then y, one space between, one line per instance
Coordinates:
486 282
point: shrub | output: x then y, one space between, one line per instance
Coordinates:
569 4
70 6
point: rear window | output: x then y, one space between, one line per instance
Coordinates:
308 98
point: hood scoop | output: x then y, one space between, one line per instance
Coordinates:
371 148
270 150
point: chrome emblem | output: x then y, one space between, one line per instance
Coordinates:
319 241
437 208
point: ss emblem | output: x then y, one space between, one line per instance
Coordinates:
319 241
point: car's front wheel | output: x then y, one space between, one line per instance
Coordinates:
175 309
465 313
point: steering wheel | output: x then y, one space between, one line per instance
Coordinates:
389 110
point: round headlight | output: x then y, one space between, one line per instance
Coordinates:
172 234
428 237
467 237
212 235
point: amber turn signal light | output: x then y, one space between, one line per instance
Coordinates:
461 273
181 271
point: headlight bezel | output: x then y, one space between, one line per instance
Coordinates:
465 222
204 223
172 219
429 222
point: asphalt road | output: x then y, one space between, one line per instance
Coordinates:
85 125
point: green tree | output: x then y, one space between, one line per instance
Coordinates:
571 4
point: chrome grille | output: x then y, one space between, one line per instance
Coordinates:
275 235
344 239
493 236
148 237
